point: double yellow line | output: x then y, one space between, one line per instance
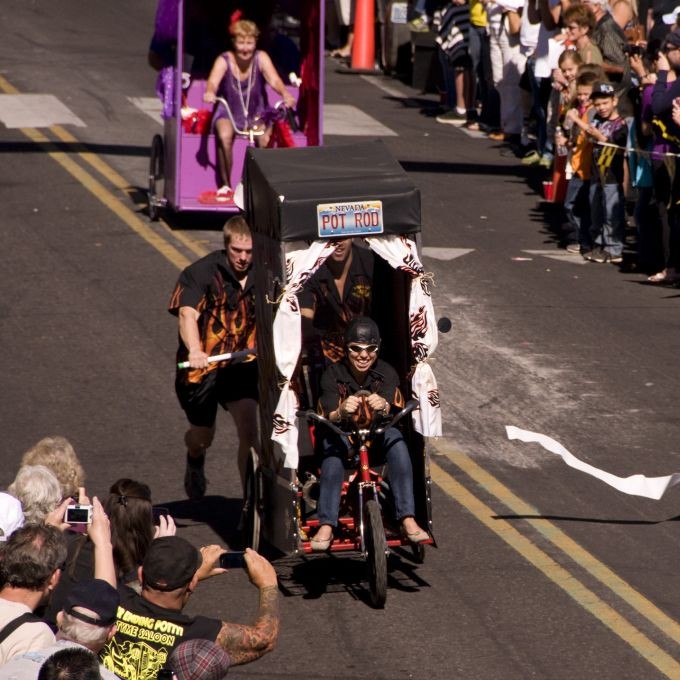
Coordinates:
560 576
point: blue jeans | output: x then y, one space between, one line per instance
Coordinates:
577 208
543 144
333 472
607 212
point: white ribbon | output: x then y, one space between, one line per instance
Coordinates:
635 485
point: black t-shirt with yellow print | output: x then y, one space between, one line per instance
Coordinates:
146 635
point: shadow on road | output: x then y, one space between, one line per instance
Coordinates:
586 520
311 576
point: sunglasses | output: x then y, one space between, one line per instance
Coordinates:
358 349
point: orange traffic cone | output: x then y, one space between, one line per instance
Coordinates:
363 47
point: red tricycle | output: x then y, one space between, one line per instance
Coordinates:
299 203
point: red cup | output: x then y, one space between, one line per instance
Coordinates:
548 191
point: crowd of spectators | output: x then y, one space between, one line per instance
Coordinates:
584 91
87 600
581 89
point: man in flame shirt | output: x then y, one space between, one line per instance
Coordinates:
214 300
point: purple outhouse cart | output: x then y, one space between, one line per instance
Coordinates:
189 35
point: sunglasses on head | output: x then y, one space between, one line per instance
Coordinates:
358 349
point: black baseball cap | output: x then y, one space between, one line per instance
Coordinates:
601 89
364 330
97 596
170 563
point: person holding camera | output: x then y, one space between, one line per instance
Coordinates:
151 625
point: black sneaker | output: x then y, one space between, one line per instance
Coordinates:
195 482
616 259
598 255
452 118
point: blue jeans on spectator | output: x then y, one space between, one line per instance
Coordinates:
577 208
607 211
479 50
539 109
399 467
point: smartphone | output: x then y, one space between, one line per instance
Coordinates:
158 511
78 514
165 674
232 560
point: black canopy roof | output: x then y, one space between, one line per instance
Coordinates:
284 187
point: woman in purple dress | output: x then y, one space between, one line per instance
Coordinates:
239 76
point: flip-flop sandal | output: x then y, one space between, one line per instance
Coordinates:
218 197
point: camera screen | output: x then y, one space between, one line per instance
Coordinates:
78 515
232 560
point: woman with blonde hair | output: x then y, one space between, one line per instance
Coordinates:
57 454
238 76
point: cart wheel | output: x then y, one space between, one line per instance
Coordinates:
156 178
418 550
376 558
251 504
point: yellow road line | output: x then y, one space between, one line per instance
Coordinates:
106 171
585 597
557 537
118 207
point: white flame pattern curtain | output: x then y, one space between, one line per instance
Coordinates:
287 336
401 254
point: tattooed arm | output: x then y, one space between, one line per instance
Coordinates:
247 643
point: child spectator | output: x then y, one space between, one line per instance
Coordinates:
576 202
607 206
563 89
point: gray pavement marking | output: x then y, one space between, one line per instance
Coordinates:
387 89
152 106
562 256
445 253
344 119
35 111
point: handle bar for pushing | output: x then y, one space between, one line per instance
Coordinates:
411 405
241 354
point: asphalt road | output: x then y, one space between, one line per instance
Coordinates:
541 571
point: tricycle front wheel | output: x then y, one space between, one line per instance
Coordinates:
375 554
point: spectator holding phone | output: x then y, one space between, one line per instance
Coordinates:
151 625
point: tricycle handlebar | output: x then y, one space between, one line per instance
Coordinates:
411 405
